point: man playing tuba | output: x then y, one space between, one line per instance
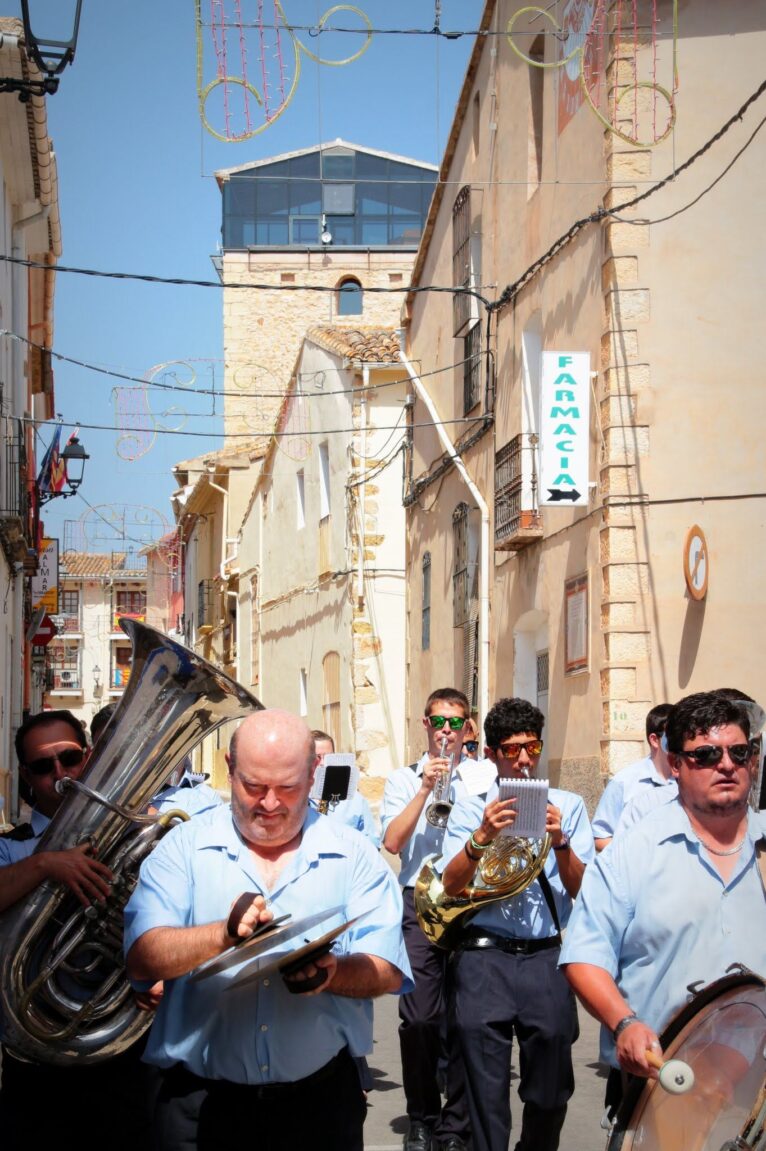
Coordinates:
40 1104
505 967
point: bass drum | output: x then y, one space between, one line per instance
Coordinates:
721 1034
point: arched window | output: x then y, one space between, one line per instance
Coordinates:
350 297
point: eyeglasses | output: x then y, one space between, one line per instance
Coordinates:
455 722
471 744
708 756
512 751
68 758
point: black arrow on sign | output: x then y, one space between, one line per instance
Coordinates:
557 494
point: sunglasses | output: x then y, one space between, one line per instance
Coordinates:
471 744
68 758
455 722
512 751
708 756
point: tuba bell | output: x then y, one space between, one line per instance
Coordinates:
64 994
506 869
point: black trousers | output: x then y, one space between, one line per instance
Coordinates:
426 1034
324 1112
87 1107
497 996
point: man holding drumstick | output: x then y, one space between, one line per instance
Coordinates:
678 897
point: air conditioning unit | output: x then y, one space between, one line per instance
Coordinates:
66 676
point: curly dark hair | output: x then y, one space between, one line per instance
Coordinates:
512 717
698 713
45 719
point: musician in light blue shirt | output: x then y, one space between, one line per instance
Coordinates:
285 1044
505 973
648 775
678 897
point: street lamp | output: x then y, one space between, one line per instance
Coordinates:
74 457
49 56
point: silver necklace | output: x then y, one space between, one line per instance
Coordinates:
729 850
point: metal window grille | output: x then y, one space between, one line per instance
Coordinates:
508 481
460 586
461 258
543 668
425 640
205 603
472 369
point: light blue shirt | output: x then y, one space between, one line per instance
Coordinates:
12 850
356 813
426 840
263 1033
525 916
627 783
192 800
654 912
641 804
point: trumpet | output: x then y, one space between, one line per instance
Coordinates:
437 813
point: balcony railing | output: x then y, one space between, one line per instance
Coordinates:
15 530
70 624
119 678
518 522
140 616
65 681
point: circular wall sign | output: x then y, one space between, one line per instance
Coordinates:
696 562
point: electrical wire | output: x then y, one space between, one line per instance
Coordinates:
269 435
236 394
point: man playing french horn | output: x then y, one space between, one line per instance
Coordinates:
505 972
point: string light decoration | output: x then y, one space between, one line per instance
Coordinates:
118 528
247 106
134 417
591 33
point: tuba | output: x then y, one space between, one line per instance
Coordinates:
506 869
64 994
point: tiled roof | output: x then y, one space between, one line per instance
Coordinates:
93 563
369 345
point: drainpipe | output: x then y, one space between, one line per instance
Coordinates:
449 448
362 486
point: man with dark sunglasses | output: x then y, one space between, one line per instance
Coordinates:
426 1043
506 980
50 746
677 898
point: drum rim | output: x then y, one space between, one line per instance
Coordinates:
711 991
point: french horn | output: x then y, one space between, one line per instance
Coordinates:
506 869
64 994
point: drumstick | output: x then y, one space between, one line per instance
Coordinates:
676 1077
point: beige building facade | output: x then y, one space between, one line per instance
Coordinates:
595 611
322 581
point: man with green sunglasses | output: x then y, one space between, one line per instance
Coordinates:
408 833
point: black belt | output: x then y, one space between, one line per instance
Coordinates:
182 1079
478 940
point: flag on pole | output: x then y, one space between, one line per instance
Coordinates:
53 468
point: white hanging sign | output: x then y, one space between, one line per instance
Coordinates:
564 429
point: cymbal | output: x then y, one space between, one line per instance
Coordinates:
264 938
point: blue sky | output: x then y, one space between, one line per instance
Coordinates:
137 194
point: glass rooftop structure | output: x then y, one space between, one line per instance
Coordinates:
353 197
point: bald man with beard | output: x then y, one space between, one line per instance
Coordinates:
271 1063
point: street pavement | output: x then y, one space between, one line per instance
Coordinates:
387 1118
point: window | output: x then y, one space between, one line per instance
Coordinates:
350 298
303 693
121 667
472 369
255 633
460 598
331 705
132 603
324 481
300 499
461 258
425 634
64 665
70 603
338 199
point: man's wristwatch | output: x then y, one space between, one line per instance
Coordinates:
626 1021
564 845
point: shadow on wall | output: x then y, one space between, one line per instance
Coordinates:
690 639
